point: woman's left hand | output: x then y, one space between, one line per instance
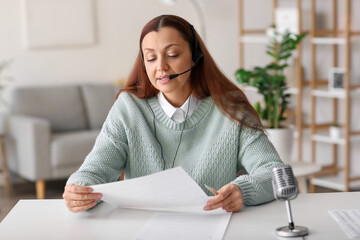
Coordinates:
229 198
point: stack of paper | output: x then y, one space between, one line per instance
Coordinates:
349 221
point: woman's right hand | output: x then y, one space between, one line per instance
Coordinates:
80 198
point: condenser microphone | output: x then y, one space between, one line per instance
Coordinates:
172 76
285 189
284 183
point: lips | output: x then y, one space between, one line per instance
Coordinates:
163 79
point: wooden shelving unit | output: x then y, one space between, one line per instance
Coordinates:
253 36
333 175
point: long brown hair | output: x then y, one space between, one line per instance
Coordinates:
206 79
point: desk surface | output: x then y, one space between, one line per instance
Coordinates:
49 219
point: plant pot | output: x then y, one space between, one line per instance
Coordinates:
282 139
335 132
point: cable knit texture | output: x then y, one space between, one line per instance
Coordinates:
138 136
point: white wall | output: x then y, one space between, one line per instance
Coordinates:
118 26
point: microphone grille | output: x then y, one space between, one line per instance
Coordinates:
284 183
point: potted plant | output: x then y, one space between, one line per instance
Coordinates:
335 131
270 82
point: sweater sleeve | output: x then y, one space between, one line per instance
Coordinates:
258 157
108 157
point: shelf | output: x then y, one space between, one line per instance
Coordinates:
292 91
254 39
328 40
335 182
341 94
325 138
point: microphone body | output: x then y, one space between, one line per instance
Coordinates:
285 189
284 183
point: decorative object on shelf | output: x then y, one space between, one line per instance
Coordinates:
287 19
335 131
336 79
270 80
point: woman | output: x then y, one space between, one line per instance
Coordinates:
178 109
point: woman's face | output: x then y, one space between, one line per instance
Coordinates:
166 52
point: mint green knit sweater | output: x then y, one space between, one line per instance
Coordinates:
212 151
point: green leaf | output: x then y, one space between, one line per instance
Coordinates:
257 108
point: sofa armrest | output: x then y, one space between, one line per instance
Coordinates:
28 146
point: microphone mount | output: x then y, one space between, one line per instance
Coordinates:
172 76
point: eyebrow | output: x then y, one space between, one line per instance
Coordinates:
168 46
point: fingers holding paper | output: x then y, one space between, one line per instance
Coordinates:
229 198
80 198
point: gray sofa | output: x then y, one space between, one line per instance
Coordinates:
51 129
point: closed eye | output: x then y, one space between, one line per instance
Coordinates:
173 55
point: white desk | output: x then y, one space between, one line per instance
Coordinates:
49 219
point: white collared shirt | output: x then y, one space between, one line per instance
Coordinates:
178 115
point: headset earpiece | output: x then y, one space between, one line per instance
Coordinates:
196 51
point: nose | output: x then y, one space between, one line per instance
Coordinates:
162 64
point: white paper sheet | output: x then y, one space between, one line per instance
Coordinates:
349 221
172 188
176 226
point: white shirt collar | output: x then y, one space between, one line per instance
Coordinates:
178 114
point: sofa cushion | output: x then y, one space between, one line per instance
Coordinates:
61 105
70 149
98 99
